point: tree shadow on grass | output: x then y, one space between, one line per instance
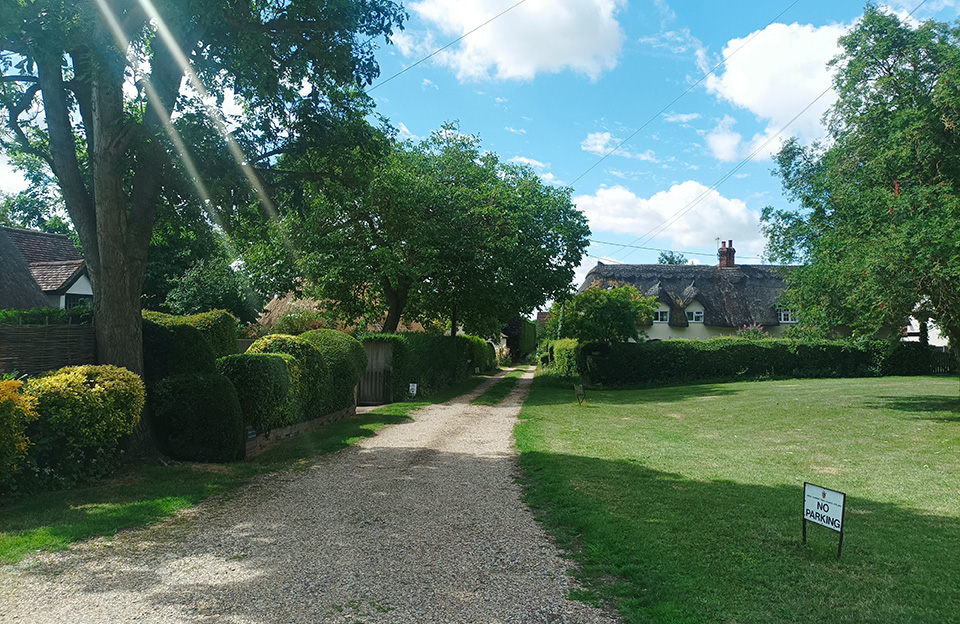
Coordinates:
940 408
551 392
671 549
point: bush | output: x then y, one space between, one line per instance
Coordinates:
16 411
198 418
174 349
298 321
218 328
77 315
311 382
263 388
346 361
83 413
564 353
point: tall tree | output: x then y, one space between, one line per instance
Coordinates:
671 257
88 86
878 227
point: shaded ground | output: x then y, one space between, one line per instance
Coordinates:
422 523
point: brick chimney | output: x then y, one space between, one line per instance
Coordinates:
727 253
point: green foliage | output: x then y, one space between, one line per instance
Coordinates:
671 257
878 223
212 284
197 417
601 315
670 361
47 316
311 378
263 388
298 321
433 361
754 331
218 328
346 360
16 411
521 337
174 349
564 356
83 413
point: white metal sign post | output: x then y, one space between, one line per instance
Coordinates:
824 507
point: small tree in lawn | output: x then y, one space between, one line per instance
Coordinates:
603 315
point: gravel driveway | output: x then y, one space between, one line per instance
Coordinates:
421 523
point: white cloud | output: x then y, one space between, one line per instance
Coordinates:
537 36
523 160
515 130
617 209
500 100
587 265
404 133
427 83
723 142
680 117
10 180
775 75
602 143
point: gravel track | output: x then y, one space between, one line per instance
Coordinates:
421 523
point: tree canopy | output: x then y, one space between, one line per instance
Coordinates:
877 231
607 315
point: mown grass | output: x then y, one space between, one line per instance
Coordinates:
684 504
499 391
145 494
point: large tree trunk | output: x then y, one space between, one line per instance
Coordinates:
396 301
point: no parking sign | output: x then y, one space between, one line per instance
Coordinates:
824 507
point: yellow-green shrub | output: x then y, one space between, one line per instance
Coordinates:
16 411
83 413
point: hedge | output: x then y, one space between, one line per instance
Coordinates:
346 361
434 361
735 358
174 349
218 327
17 410
198 418
83 412
311 381
77 315
263 388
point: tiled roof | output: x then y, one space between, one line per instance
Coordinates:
56 276
42 247
17 290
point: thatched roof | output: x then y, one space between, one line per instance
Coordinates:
18 288
730 296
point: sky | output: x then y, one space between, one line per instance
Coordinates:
558 84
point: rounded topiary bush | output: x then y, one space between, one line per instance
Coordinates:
346 361
83 412
218 328
312 388
263 388
174 349
198 418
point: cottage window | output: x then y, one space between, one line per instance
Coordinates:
694 316
786 315
661 316
72 301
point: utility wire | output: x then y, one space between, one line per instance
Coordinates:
677 99
438 51
686 253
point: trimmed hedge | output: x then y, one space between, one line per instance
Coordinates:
735 358
83 413
218 327
17 410
346 362
263 388
198 418
174 349
434 361
77 315
311 382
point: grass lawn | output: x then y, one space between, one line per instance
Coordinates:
499 391
683 504
142 495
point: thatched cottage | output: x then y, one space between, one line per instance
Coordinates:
700 301
33 263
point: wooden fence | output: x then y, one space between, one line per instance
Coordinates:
34 349
375 388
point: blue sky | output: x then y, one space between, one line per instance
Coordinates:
557 84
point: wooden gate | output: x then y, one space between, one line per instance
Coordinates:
375 385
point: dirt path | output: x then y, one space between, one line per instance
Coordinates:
421 523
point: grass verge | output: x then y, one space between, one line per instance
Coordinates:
683 504
145 494
499 391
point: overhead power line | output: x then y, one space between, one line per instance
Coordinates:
686 253
439 50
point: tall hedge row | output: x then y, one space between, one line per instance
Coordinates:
734 358
434 361
218 327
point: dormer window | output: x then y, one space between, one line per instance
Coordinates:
694 316
786 315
